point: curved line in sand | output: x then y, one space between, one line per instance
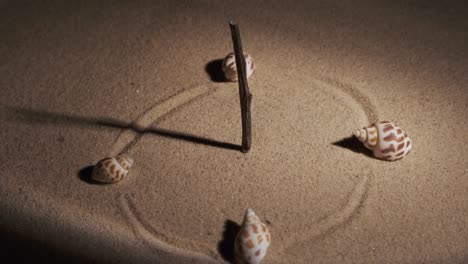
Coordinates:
337 219
129 138
358 195
150 236
361 98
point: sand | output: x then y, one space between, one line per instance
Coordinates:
83 80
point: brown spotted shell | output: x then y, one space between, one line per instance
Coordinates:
252 241
110 170
387 140
230 70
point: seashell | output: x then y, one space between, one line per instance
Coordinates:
230 70
110 170
252 241
385 139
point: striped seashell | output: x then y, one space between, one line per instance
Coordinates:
252 241
110 170
230 70
385 139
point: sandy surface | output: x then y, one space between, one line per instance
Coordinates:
85 80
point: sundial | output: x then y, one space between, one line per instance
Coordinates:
336 95
190 157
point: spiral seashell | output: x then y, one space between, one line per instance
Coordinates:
252 241
230 70
385 139
111 170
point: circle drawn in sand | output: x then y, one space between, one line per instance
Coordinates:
305 108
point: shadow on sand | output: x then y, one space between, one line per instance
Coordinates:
85 175
226 245
354 145
51 118
215 71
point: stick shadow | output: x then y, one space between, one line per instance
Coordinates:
214 69
51 118
354 145
226 245
194 139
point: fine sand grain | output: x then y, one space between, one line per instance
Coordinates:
82 80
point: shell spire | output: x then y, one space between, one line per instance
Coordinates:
387 140
111 170
250 217
361 134
252 241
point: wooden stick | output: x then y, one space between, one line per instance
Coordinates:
244 94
